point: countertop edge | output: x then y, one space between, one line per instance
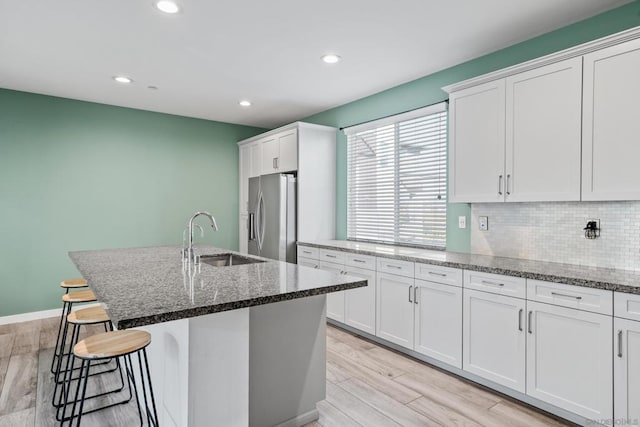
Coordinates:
235 305
596 284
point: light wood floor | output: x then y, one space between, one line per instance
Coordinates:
367 385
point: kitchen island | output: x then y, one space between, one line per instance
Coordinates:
234 346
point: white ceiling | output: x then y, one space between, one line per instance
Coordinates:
216 52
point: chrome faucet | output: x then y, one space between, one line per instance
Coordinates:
188 254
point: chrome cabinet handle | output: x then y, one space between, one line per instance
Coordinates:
567 296
520 319
415 295
410 293
330 256
500 185
394 266
316 266
508 184
433 273
486 282
620 343
306 252
529 321
359 260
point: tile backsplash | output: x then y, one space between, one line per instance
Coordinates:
553 231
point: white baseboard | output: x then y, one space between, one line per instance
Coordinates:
37 315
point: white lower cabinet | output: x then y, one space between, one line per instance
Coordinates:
438 321
394 314
494 338
360 303
569 359
335 300
627 372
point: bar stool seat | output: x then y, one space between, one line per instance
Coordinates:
112 344
79 282
120 344
79 296
88 316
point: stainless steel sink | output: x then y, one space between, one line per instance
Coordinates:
227 260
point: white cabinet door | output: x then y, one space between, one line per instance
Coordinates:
438 322
494 338
244 174
610 129
270 154
243 230
288 156
543 136
256 159
477 144
569 359
360 303
627 371
394 314
335 300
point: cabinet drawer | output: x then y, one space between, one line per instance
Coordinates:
308 262
307 252
331 256
495 283
394 266
438 274
360 261
626 306
581 298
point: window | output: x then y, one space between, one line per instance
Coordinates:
396 179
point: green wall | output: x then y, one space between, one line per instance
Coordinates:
426 90
77 175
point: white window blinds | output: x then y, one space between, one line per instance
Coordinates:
396 179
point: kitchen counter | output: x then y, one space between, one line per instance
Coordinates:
592 277
223 338
143 286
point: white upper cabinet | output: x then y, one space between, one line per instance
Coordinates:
518 139
476 143
280 152
256 159
610 148
543 119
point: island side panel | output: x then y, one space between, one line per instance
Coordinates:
219 369
287 361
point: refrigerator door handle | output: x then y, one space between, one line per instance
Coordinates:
252 226
261 221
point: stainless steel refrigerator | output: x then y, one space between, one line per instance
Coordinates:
272 217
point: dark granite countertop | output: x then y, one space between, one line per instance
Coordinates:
579 275
142 286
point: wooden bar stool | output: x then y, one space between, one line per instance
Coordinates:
77 283
115 344
64 376
68 300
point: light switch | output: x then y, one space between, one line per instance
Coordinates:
462 221
483 223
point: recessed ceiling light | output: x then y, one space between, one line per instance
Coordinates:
167 6
245 103
331 58
122 79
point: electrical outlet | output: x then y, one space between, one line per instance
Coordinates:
483 223
462 221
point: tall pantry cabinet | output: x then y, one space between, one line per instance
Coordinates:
304 149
